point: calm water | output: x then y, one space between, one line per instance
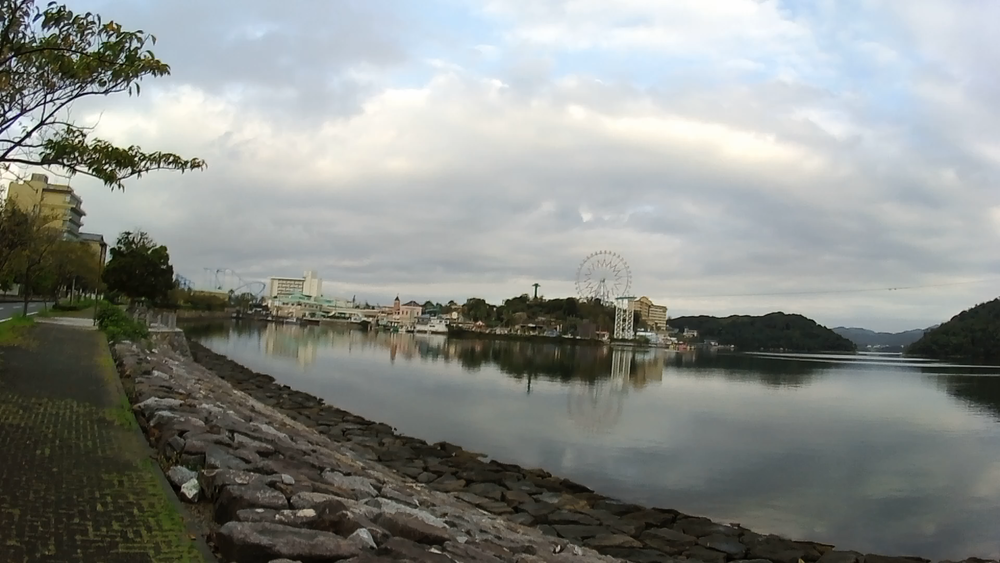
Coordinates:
871 453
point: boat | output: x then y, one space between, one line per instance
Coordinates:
435 326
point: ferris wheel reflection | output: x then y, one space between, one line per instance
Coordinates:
597 406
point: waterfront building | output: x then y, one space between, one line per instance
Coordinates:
655 316
309 284
57 201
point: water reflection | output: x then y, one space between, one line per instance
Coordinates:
899 456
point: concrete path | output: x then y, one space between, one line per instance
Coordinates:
77 480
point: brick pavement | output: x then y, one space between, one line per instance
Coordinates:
77 481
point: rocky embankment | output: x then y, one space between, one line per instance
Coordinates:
290 477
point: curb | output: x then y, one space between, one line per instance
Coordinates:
190 527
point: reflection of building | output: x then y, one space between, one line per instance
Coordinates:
655 316
290 341
310 285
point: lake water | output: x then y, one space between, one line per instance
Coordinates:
871 453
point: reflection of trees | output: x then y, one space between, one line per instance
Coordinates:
769 371
982 391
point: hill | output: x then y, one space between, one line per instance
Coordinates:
774 331
863 337
972 335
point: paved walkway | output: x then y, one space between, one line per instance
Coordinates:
77 480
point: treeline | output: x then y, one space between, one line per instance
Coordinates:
39 260
568 312
972 335
771 332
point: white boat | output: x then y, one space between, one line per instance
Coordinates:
435 326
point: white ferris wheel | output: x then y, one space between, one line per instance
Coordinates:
604 276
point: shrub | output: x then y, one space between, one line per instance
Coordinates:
118 325
77 306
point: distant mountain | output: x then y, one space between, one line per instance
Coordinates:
774 331
863 337
972 335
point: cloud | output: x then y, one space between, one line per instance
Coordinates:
723 148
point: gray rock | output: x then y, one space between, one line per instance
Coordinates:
780 550
361 486
176 445
426 477
652 518
296 518
496 507
218 458
394 494
362 538
178 475
241 441
212 481
407 550
448 486
699 527
517 497
578 532
537 509
389 507
704 554
642 555
567 517
412 528
310 500
617 508
488 490
668 541
154 404
522 518
470 498
252 542
729 545
344 522
191 491
235 498
612 540
840 557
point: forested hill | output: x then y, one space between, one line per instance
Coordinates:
774 331
864 337
972 335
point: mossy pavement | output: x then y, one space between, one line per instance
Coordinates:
77 480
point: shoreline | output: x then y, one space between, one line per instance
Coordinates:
556 506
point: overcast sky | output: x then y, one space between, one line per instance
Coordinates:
447 149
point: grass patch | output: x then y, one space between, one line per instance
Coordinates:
12 330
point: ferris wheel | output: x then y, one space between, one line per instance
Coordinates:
604 276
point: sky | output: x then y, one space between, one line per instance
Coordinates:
736 153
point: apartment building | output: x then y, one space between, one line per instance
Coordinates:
57 201
652 314
310 284
97 245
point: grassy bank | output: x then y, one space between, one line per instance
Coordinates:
11 330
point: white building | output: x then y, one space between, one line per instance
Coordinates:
310 284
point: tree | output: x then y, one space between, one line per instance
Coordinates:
37 241
139 268
14 229
75 267
52 58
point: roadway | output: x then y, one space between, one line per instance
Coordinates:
8 310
